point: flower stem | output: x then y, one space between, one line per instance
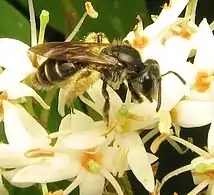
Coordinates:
32 23
44 189
45 113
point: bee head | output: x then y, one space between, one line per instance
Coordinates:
146 81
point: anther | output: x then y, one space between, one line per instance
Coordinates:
39 152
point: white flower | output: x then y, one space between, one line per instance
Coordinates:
124 121
88 166
148 41
196 110
201 167
23 133
14 58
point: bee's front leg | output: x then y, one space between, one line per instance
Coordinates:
134 94
106 106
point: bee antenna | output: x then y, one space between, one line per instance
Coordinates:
176 74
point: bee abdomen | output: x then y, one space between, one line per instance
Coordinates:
51 72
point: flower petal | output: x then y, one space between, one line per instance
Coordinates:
88 187
204 57
8 175
15 131
16 157
49 170
37 133
147 111
166 17
84 140
14 55
10 77
194 113
139 162
171 94
77 124
178 47
22 90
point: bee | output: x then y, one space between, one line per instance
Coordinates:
79 65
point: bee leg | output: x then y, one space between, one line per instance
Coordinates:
134 94
159 95
72 108
106 106
176 74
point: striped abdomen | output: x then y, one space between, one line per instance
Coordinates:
51 72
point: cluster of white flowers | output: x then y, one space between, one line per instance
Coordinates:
87 152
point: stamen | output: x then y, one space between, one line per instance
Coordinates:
192 147
203 81
136 118
90 10
177 147
150 135
77 28
32 23
157 142
58 192
176 172
44 19
112 180
74 184
40 152
191 10
109 129
199 188
139 27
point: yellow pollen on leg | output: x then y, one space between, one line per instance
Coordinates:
92 161
203 81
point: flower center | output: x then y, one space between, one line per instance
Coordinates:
3 96
140 42
204 169
92 161
183 33
124 118
203 81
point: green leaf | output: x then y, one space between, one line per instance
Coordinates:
13 24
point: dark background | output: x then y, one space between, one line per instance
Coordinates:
116 19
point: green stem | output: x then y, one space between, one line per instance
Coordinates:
45 113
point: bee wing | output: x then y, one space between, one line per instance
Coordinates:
80 52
